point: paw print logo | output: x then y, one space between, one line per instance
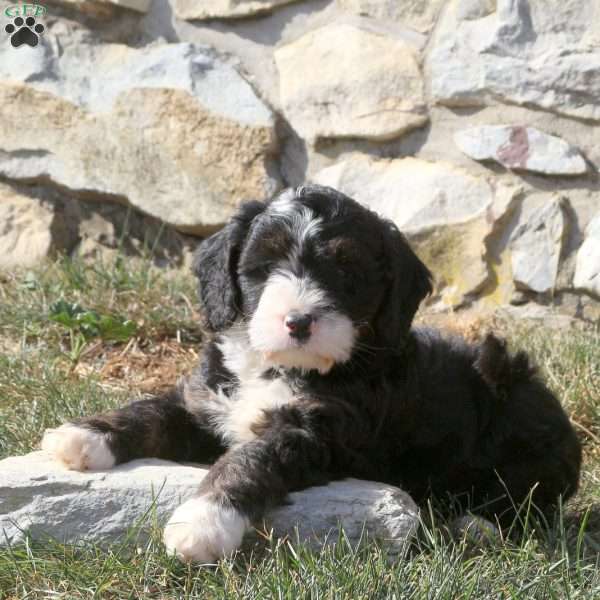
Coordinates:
24 32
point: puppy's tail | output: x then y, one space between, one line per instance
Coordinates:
498 368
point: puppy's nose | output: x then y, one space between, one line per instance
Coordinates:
298 325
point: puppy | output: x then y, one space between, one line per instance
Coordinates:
315 374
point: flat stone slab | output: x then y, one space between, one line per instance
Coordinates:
587 268
40 498
534 53
524 148
536 246
224 9
173 130
369 85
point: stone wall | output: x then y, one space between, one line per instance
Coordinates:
473 124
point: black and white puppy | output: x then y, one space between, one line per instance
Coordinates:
314 374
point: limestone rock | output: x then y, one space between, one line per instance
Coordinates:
519 147
224 9
105 230
383 511
416 194
535 247
25 229
587 268
37 222
103 8
475 9
172 129
542 53
363 84
447 212
417 14
137 5
39 497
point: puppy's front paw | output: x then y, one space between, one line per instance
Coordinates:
203 530
79 448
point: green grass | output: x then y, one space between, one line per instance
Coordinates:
44 382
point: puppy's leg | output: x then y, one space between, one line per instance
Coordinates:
79 447
247 481
161 427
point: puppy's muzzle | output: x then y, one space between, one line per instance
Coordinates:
298 325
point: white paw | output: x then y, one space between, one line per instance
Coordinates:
201 530
78 448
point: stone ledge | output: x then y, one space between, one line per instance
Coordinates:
40 498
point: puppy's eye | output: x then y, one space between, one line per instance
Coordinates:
344 253
343 260
345 265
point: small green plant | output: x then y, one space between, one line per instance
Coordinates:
84 324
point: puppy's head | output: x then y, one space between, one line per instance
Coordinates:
313 276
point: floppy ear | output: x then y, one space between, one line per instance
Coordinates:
215 265
409 283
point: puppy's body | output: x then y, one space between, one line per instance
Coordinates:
439 417
314 374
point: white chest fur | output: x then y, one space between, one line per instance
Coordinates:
236 415
248 405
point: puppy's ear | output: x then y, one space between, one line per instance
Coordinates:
409 283
215 265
